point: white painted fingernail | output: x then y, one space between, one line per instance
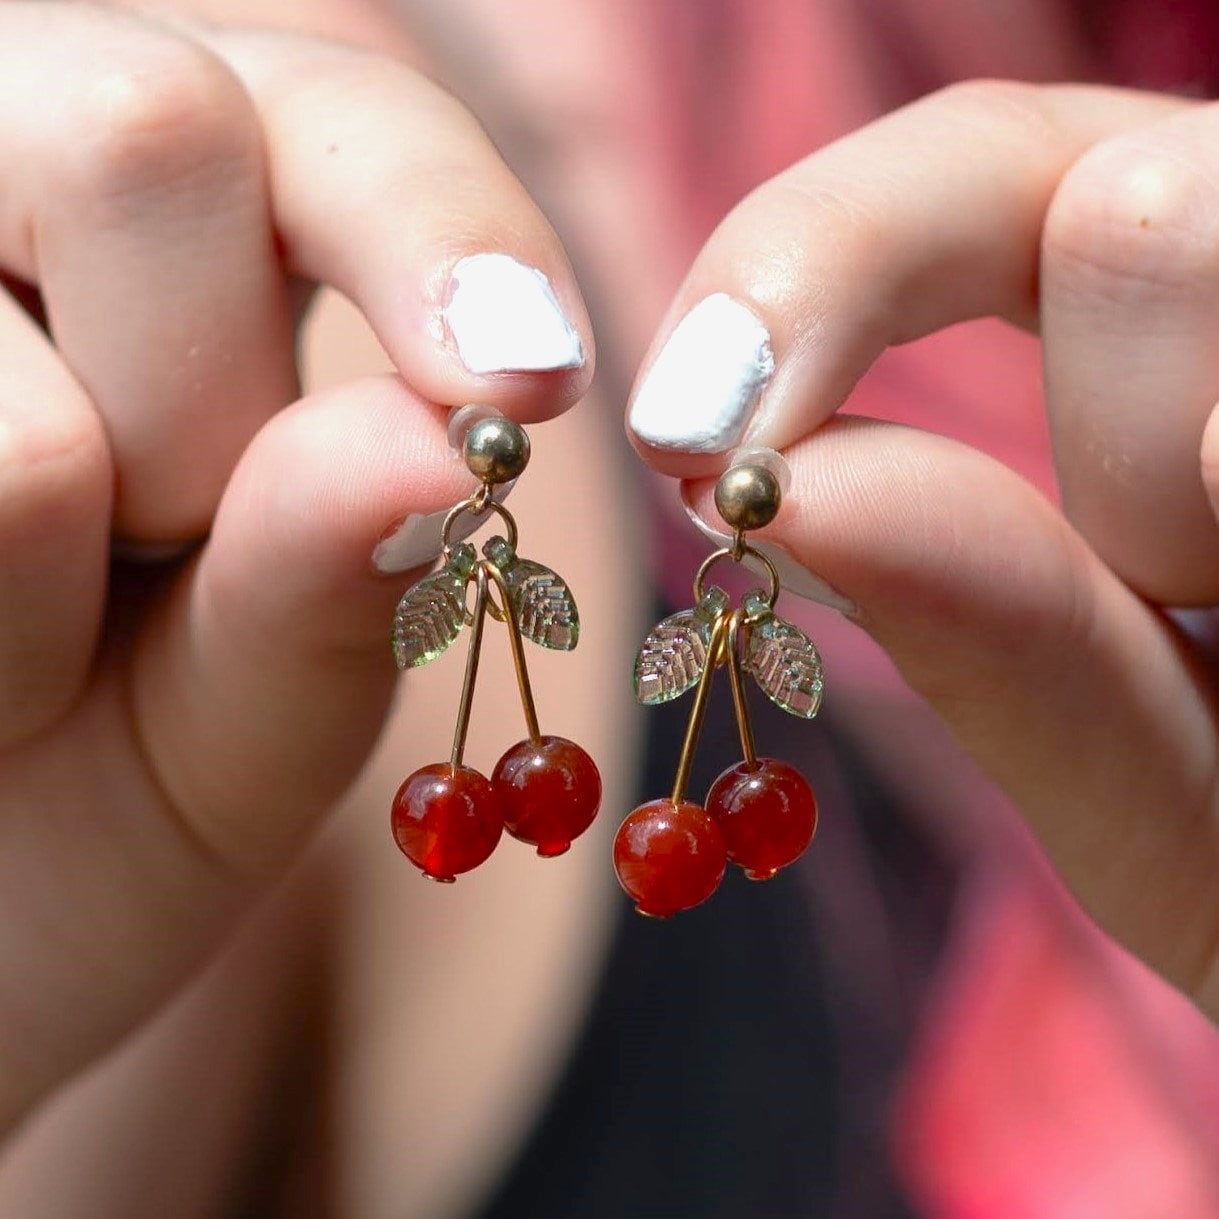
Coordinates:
505 317
701 390
416 539
793 576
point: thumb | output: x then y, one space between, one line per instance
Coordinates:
264 685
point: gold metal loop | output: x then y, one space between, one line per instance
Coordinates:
479 504
491 607
729 552
494 610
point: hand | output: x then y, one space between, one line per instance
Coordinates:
1037 634
169 734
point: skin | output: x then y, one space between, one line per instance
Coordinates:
130 705
1035 631
122 701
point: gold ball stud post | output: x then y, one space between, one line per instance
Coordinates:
496 450
748 497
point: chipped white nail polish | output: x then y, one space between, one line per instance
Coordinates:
703 387
505 317
417 539
792 575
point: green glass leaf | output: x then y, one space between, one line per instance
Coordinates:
542 604
785 662
431 613
674 654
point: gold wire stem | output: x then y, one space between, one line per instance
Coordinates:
517 644
478 617
737 682
729 552
686 759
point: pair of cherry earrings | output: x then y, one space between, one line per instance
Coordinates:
669 854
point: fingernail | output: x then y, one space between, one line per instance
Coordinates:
793 576
701 390
416 539
505 317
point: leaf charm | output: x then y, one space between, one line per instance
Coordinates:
673 656
786 664
542 603
431 613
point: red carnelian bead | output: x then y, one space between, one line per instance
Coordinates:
550 791
446 821
768 814
669 858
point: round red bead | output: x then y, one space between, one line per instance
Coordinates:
768 814
550 791
669 858
446 821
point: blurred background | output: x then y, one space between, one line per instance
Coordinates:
915 1021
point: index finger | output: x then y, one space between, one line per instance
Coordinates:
387 188
928 217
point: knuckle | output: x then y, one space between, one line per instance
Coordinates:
801 232
774 224
984 104
1133 220
49 458
170 114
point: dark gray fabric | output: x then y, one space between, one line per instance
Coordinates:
724 1073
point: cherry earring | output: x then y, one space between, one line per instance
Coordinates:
760 814
447 817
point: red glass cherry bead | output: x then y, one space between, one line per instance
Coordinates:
550 791
446 821
768 814
669 857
